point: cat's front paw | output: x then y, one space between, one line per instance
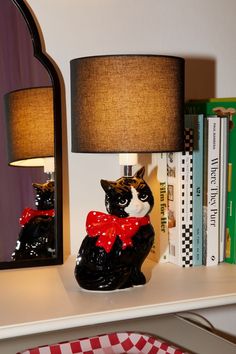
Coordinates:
138 278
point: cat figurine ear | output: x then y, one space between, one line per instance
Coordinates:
140 173
107 186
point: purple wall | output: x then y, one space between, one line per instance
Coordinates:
18 69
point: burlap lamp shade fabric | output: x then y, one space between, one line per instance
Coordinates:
127 103
30 126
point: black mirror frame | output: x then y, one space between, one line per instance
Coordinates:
53 73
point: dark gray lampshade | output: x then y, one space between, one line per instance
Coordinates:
30 126
127 103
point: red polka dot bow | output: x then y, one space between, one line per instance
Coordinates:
107 227
29 214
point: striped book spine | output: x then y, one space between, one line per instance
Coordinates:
180 203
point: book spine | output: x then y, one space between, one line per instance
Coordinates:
187 194
212 192
230 220
160 248
223 165
175 199
162 178
230 247
196 122
180 206
205 171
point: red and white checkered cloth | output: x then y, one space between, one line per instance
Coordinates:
113 343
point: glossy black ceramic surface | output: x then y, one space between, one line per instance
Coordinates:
36 238
112 259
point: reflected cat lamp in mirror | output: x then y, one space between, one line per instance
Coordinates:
124 104
30 141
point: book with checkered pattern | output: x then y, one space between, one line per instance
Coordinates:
180 203
196 122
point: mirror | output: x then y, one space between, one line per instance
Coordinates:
24 65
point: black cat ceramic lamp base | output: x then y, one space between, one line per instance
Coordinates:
116 245
36 237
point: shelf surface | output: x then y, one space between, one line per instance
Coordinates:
37 300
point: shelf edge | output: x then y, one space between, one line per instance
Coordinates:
68 322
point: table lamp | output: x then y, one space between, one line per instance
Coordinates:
30 128
124 104
30 143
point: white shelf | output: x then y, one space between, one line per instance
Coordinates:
38 300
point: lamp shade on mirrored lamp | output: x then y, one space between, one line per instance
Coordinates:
127 103
30 126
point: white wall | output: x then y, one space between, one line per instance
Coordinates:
202 31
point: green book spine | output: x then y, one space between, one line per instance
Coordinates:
224 107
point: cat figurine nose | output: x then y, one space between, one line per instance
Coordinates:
136 209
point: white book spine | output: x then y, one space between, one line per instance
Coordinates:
213 178
223 165
180 206
175 176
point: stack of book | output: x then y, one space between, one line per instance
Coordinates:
201 187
